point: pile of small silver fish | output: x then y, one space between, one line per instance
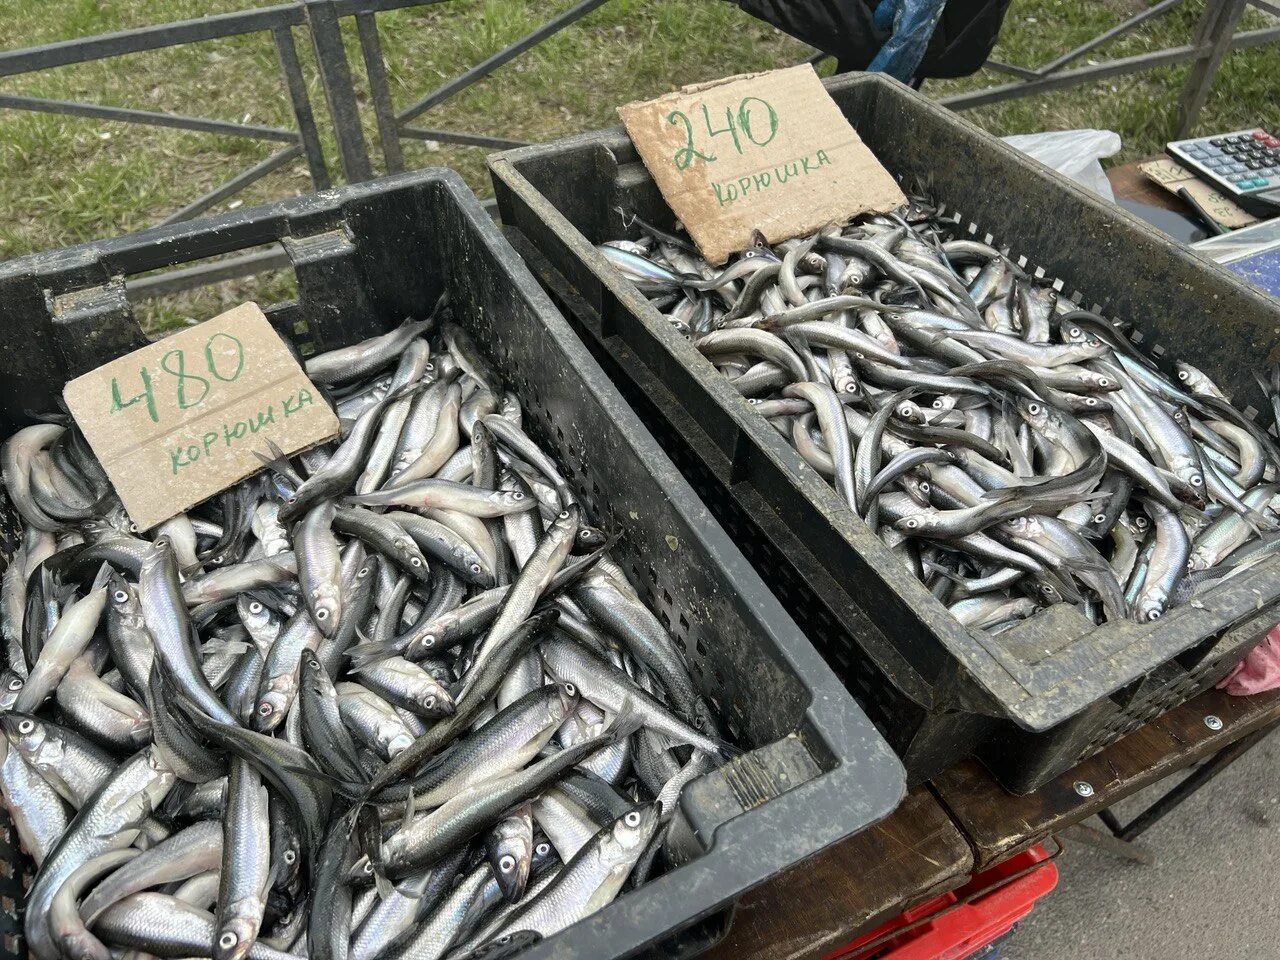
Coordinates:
1013 450
389 698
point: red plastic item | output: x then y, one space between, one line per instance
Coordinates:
956 924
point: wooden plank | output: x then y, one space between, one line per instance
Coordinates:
914 854
999 824
1130 183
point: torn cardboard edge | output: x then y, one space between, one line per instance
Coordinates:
813 171
213 399
1172 176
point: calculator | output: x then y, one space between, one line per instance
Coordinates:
1244 166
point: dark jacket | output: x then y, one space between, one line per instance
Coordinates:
845 30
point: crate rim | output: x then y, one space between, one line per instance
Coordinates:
1023 697
695 890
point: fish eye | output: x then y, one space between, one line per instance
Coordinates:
322 614
1033 408
924 486
1153 615
362 572
476 568
1196 480
938 404
415 561
507 863
368 866
753 400
1104 382
290 856
120 596
1182 374
15 683
265 709
570 689
429 641
26 726
1099 518
428 365
542 849
564 515
255 606
227 940
632 819
584 534
430 703
517 495
912 523
133 527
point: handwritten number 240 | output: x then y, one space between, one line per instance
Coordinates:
735 124
190 388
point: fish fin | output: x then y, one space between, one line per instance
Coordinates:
409 389
365 654
103 575
371 652
346 788
410 807
215 646
384 886
270 881
1258 522
624 723
279 466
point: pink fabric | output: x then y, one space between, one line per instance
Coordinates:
1259 671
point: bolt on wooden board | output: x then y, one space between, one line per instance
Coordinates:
186 417
762 151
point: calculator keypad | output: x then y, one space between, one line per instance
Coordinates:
1245 161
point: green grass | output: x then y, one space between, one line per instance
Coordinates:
65 180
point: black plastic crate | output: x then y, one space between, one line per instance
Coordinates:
366 257
1037 698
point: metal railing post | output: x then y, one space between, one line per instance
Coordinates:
339 90
296 83
1217 27
375 68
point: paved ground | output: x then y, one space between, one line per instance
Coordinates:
1210 895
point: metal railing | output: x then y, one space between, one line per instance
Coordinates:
322 20
1216 35
304 141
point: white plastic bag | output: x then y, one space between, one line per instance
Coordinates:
1073 153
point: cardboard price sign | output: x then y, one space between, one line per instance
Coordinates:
182 419
766 151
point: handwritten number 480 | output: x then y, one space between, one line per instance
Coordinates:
735 123
189 388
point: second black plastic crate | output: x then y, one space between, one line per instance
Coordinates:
815 770
1039 697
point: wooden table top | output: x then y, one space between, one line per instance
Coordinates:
1130 183
915 854
999 824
